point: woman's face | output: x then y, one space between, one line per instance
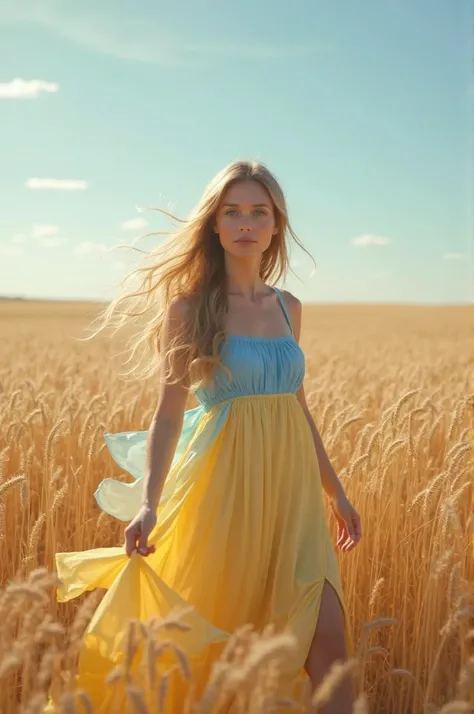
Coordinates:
245 220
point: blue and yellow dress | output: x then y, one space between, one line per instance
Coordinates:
241 536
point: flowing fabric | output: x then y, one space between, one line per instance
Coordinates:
241 534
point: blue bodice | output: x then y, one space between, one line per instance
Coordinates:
259 365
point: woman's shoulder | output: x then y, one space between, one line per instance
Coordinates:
290 299
177 312
293 304
294 307
180 306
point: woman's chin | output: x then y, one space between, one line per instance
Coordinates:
248 252
245 248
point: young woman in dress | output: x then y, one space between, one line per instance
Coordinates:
226 511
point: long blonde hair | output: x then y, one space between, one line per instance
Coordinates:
190 264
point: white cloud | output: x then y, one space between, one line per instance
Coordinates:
454 256
89 248
45 235
56 184
26 89
40 231
134 224
368 239
52 242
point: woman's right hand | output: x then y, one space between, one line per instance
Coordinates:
138 531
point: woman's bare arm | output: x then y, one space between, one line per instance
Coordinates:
167 421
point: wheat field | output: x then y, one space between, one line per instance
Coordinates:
391 389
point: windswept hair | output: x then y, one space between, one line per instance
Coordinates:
190 265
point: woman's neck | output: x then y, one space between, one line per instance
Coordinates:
243 278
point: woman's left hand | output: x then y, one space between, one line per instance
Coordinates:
349 527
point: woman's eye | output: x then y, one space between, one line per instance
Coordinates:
231 211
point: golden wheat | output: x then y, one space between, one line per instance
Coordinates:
394 406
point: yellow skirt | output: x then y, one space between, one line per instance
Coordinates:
243 539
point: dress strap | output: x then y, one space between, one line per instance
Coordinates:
284 308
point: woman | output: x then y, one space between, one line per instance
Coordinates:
226 511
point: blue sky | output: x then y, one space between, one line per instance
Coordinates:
362 108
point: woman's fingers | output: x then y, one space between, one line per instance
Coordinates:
342 533
142 543
354 532
135 540
132 533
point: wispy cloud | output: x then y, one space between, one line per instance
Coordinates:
52 184
89 248
141 38
47 236
370 240
454 256
134 224
26 89
43 230
44 235
52 242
